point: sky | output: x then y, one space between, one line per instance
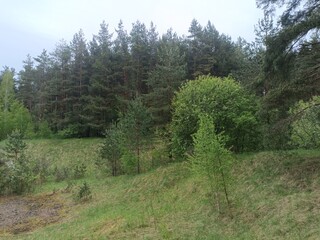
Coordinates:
29 26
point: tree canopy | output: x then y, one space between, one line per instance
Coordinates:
231 108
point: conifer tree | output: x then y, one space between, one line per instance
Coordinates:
101 102
26 91
135 124
79 85
140 54
122 67
59 86
165 79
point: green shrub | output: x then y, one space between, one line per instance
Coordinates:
160 155
17 176
306 124
130 162
61 174
13 115
84 193
79 170
44 130
41 169
230 106
111 151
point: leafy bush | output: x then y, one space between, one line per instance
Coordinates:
69 132
306 126
13 115
160 155
43 130
230 106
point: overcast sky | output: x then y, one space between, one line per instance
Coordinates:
29 26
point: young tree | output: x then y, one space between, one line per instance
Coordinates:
111 150
13 115
18 177
135 124
210 159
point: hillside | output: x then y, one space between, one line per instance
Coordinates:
274 196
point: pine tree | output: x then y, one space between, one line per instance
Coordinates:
140 53
135 124
122 67
79 85
101 102
42 78
165 79
26 91
209 52
59 86
153 41
194 45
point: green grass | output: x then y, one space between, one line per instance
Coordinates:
274 196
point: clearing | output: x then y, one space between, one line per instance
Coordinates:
25 213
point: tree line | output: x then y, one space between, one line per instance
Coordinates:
80 87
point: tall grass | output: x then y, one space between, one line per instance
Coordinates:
274 196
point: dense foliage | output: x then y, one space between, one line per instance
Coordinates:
79 88
306 124
291 63
16 171
230 106
126 140
13 115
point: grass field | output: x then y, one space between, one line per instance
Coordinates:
273 195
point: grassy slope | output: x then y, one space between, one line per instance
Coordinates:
274 196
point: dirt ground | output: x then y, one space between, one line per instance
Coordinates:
22 213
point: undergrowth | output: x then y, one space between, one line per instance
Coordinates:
274 195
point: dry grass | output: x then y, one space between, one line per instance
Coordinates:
27 213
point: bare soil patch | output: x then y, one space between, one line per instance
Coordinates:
25 213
